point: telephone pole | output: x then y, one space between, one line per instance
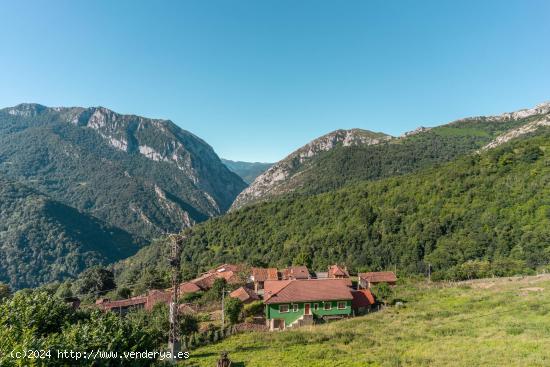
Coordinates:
175 254
223 308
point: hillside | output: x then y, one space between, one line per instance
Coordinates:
492 206
248 171
337 159
494 322
42 240
145 176
274 181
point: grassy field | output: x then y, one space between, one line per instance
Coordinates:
496 322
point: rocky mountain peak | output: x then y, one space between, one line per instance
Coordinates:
26 109
268 182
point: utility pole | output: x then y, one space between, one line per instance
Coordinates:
175 254
430 273
223 308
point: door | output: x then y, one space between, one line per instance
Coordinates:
307 310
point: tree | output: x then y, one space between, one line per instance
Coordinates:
95 280
233 308
215 293
151 278
37 311
124 292
5 291
64 290
382 292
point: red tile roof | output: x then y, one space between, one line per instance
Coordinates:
306 290
296 272
244 294
227 267
263 274
188 288
337 271
379 277
226 271
362 298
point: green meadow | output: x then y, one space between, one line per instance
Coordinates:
491 322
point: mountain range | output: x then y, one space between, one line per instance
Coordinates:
85 186
346 156
141 176
474 189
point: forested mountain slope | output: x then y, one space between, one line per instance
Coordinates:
383 156
42 240
492 206
145 176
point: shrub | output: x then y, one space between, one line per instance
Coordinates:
255 308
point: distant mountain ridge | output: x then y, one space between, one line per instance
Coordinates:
248 171
346 156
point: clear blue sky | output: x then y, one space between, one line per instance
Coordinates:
257 79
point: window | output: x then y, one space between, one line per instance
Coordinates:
295 308
341 305
315 306
283 308
327 306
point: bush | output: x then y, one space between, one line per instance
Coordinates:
233 308
255 308
383 293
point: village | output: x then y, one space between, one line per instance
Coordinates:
288 298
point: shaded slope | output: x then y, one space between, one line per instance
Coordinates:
42 240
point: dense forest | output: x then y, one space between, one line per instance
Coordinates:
482 214
42 240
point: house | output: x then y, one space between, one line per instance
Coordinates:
336 271
295 272
366 280
228 272
146 302
246 295
362 301
188 287
260 275
123 306
296 302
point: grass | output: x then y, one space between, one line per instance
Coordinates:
500 322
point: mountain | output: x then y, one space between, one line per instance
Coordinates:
144 176
493 205
248 171
275 180
42 240
344 157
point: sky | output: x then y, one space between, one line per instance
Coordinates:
257 79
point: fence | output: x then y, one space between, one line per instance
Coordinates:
196 340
